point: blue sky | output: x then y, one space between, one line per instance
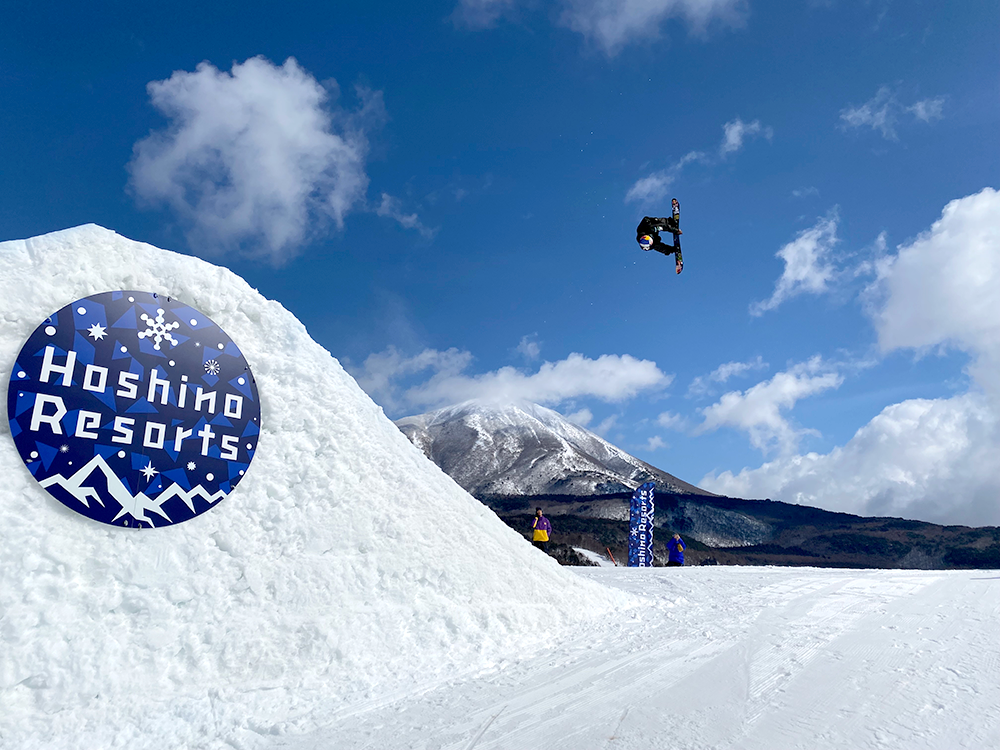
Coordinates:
446 195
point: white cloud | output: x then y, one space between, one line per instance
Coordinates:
943 289
701 385
481 14
874 259
878 113
936 460
583 417
655 443
736 132
606 425
883 111
932 460
653 189
613 24
758 410
928 110
722 373
529 348
381 372
392 208
805 192
672 421
611 378
609 24
258 158
807 265
608 378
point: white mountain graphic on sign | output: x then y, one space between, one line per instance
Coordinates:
134 505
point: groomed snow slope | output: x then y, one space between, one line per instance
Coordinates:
345 565
722 658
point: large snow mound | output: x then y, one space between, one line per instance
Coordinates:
344 565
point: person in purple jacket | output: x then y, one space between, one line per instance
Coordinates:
675 549
542 530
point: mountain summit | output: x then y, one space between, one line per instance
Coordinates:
526 449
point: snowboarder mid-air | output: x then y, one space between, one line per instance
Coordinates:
647 234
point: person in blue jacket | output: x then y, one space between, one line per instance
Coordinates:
675 548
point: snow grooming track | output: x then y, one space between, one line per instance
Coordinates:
787 639
731 659
927 673
795 635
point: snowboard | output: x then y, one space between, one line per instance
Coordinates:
676 206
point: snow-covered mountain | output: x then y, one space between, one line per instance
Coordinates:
526 449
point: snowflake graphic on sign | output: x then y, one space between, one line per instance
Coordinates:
158 329
133 409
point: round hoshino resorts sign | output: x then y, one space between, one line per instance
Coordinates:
133 409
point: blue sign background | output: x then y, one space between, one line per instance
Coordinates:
133 409
640 533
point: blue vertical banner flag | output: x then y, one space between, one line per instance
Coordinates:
640 533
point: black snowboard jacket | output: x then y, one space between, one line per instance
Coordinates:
653 225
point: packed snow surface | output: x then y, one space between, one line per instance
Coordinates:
344 565
722 658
